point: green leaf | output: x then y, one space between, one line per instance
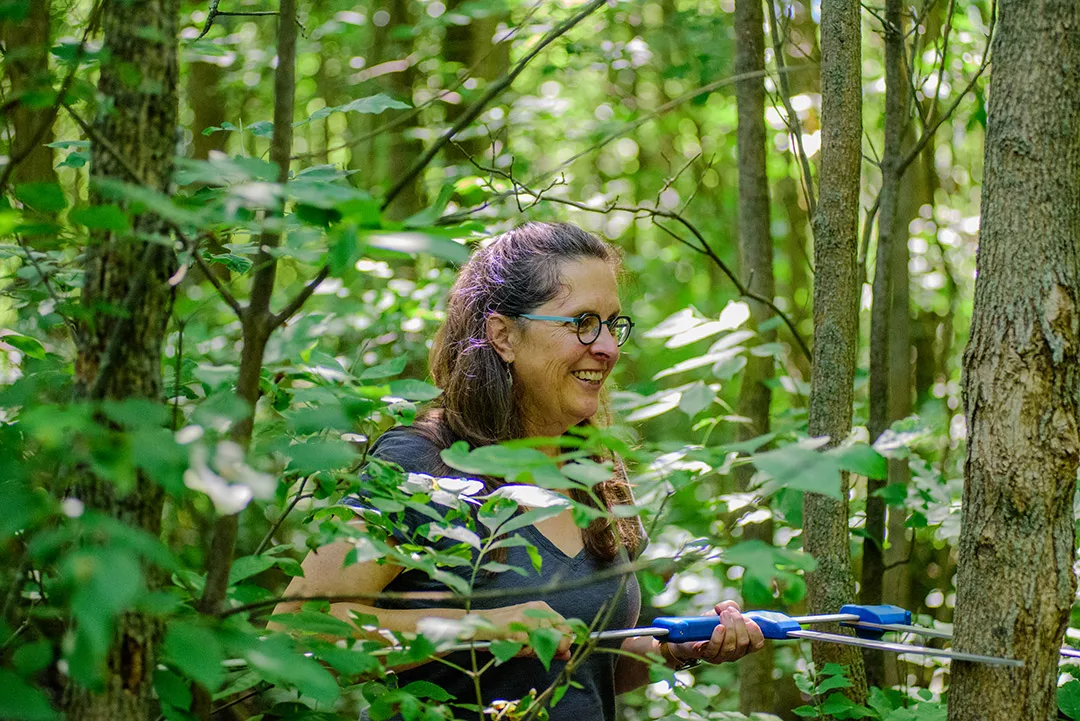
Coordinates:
172 690
504 650
862 459
535 557
806 712
893 494
261 129
414 390
278 661
529 518
384 370
248 566
412 242
22 702
314 622
832 683
102 217
32 657
801 468
42 197
196 652
371 105
545 642
1068 698
841 707
318 454
696 398
25 345
426 689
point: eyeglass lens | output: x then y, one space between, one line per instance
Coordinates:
589 328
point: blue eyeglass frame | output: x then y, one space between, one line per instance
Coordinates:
577 321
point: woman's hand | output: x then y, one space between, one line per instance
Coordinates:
510 620
734 637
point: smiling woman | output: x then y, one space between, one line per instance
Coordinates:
533 329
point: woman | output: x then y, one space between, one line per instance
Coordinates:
533 328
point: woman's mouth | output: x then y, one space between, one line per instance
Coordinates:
594 378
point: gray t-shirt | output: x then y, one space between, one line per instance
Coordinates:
595 698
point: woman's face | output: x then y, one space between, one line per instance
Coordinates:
559 378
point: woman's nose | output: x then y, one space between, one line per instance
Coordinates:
605 346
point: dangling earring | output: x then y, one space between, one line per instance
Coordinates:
509 376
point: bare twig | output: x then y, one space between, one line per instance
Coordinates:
490 94
301 297
792 116
284 514
924 139
556 584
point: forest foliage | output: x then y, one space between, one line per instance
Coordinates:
618 116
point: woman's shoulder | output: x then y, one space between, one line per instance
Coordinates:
416 450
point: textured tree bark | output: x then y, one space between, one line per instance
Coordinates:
1015 582
756 684
836 298
141 126
26 67
890 303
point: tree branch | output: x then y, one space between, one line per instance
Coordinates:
301 298
490 94
793 117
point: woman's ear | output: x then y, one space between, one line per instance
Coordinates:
502 333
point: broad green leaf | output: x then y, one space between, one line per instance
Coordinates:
696 398
1068 698
279 662
317 455
172 690
414 390
371 105
504 650
32 657
261 129
25 344
832 683
102 217
529 518
388 369
426 689
840 706
248 566
22 702
862 459
801 468
545 642
412 242
313 622
196 652
42 197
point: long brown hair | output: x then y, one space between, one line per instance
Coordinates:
516 273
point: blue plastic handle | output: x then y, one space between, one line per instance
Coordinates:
773 624
883 614
700 628
687 628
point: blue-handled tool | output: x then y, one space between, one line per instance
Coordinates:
869 622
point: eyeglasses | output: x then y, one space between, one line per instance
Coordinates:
588 325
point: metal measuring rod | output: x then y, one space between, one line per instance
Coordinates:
869 622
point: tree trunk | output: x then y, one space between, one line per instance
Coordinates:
756 265
836 320
1015 583
890 302
26 67
141 126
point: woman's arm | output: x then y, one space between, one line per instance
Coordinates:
325 574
